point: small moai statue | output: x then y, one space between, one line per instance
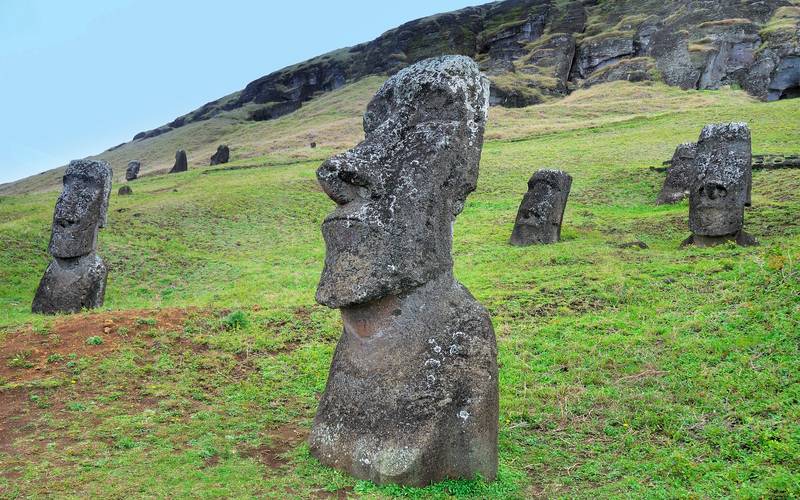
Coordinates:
542 209
222 155
132 172
721 189
680 175
412 393
76 277
181 164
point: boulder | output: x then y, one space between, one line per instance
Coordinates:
221 156
181 163
125 191
542 209
680 175
412 395
76 277
132 172
722 186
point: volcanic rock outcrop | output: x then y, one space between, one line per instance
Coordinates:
221 156
132 172
76 277
412 394
721 188
542 209
533 50
181 163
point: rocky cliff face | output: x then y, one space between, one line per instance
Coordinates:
534 50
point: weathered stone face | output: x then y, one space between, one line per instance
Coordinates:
680 175
132 172
412 396
542 209
76 278
181 163
221 156
724 176
399 190
81 209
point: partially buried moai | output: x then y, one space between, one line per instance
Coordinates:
411 396
181 164
132 172
680 175
76 277
542 209
721 188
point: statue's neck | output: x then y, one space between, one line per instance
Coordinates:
365 320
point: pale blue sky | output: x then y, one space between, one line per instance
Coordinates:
79 76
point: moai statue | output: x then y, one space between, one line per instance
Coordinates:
181 164
412 392
722 186
542 209
76 277
680 175
222 155
132 172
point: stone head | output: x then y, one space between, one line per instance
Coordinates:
721 188
81 208
542 209
398 191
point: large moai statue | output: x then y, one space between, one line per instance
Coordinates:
132 172
76 277
721 189
222 155
181 164
542 209
412 394
680 175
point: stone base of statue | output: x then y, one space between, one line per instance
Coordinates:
412 395
70 285
741 238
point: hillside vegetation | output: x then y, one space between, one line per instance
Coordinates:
660 372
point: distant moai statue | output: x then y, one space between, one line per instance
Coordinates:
132 172
542 209
412 393
221 156
722 185
76 277
680 175
181 163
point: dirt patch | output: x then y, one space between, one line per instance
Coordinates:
27 355
281 440
13 417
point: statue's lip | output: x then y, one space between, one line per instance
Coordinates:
334 217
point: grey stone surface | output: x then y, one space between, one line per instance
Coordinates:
542 209
222 155
411 396
181 163
132 172
76 277
680 175
722 185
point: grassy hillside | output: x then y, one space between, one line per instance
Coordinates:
659 373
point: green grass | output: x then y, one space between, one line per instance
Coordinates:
657 373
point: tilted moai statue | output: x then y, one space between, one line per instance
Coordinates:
222 155
181 164
542 209
76 278
132 172
722 186
412 392
680 175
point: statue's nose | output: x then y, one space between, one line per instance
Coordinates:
336 179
